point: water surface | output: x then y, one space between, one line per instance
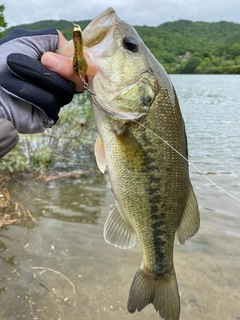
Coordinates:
61 268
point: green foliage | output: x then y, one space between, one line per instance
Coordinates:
3 23
13 162
233 69
42 158
217 41
191 65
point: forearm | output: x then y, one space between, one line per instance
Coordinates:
25 117
8 137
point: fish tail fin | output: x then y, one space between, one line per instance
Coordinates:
162 292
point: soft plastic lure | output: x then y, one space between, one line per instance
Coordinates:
80 64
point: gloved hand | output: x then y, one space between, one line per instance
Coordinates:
31 95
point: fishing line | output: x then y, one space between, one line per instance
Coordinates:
189 162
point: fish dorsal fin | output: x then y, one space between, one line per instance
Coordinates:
117 230
190 222
100 154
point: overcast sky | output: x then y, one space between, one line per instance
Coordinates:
135 12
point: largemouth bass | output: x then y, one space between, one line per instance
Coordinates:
134 103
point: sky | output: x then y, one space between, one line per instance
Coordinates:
134 12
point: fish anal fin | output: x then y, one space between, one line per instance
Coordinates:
190 221
100 154
162 292
117 230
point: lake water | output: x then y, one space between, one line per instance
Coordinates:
60 268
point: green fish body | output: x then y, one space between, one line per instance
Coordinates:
141 140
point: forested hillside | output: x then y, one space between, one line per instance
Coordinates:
181 46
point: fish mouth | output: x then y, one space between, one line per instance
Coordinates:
105 19
95 33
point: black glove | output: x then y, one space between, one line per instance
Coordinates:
31 95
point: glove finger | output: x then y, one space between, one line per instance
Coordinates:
33 71
32 94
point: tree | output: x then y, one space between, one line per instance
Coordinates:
191 65
3 23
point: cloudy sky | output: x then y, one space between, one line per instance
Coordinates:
135 12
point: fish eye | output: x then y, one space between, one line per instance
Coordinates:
130 43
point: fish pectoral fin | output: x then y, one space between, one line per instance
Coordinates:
117 230
190 222
100 154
